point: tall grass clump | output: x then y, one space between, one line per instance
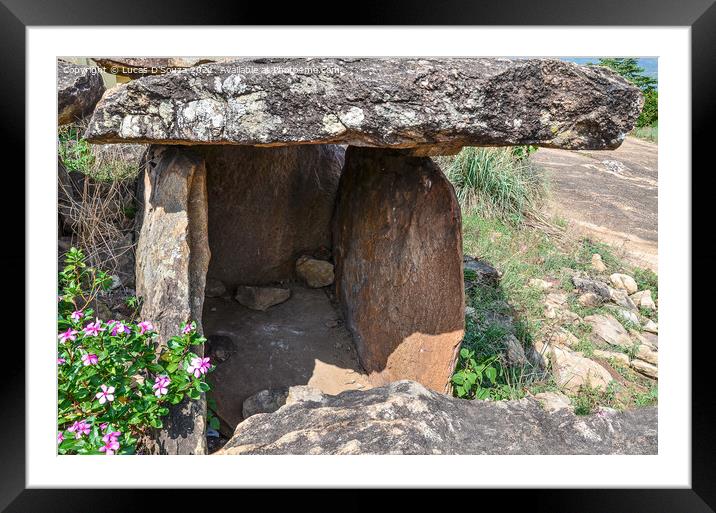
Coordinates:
495 183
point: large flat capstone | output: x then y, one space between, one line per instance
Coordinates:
437 104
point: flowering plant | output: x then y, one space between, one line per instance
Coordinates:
114 384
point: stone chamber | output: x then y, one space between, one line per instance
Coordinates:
299 219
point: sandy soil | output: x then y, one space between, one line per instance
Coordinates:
302 341
609 195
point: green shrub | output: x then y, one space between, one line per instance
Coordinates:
495 183
113 385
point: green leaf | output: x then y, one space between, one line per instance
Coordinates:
491 374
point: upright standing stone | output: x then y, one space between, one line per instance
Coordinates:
172 261
398 253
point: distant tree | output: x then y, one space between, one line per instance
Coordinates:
629 68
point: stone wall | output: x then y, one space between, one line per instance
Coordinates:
267 207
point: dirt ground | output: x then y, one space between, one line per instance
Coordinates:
302 341
609 195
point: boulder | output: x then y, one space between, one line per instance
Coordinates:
642 299
589 299
624 282
171 262
79 88
267 207
597 263
650 327
607 329
622 358
261 298
572 370
215 288
315 273
514 352
265 401
399 266
480 273
646 353
426 104
406 418
647 369
585 285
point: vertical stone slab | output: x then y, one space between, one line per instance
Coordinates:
398 255
172 261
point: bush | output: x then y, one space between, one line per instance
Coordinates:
497 183
650 111
113 385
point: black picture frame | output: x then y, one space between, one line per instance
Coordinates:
700 15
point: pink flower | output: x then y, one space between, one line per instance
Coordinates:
93 328
118 328
79 428
111 437
60 361
161 384
107 394
60 437
199 366
70 334
89 359
103 426
110 442
77 315
145 326
109 447
188 328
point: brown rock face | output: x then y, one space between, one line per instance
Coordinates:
268 206
79 88
398 254
172 260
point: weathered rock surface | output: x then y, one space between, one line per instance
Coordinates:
589 299
622 358
267 207
607 329
264 401
572 370
172 260
399 274
645 368
597 263
79 88
406 418
400 103
315 273
215 288
261 298
624 282
643 299
554 401
484 273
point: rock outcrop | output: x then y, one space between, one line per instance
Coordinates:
398 254
438 105
267 207
79 88
406 418
172 260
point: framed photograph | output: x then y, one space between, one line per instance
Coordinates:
421 251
